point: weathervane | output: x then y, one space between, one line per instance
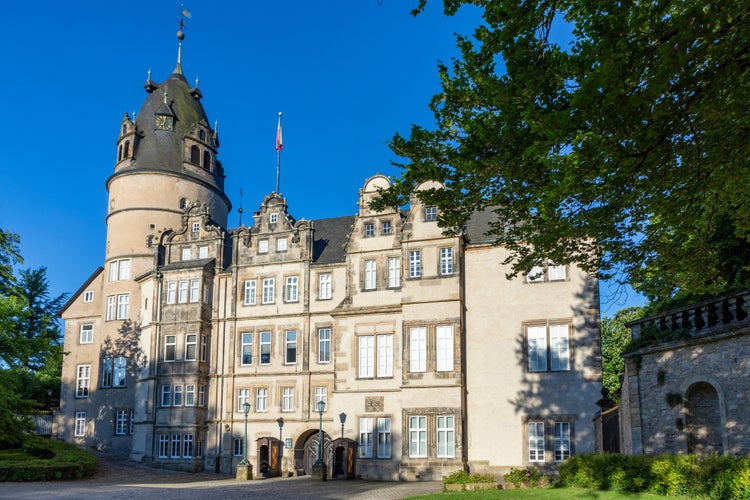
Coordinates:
184 14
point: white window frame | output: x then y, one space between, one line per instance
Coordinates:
204 347
166 395
418 349
189 394
262 246
195 290
106 375
88 296
269 290
556 272
324 286
366 359
111 307
83 381
446 436
371 274
444 348
246 353
548 347
119 372
243 396
175 446
238 447
394 272
191 343
274 218
187 446
171 292
261 399
417 436
123 306
559 347
430 213
196 227
320 394
163 446
287 399
386 227
281 245
177 395
121 422
86 334
264 345
170 348
369 230
365 437
201 395
324 345
536 441
384 437
385 355
536 274
203 252
290 347
415 263
79 427
182 293
291 290
446 261
119 270
185 254
536 336
251 289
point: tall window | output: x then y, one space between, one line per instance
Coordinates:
119 270
106 372
263 246
187 446
536 441
204 347
118 379
562 441
418 349
265 348
182 296
247 348
557 357
370 275
172 292
385 355
203 252
191 347
268 290
79 429
291 291
394 272
195 290
559 348
185 254
324 345
177 396
415 263
290 353
175 448
386 228
261 399
365 437
446 436
417 437
123 306
446 261
287 399
238 447
243 396
83 380
366 356
166 395
444 348
321 394
121 422
111 307
384 437
189 394
324 286
87 333
163 446
170 346
202 396
250 291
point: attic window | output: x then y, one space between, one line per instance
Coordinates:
183 203
202 135
195 155
196 227
274 218
430 213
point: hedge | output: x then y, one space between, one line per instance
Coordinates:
47 460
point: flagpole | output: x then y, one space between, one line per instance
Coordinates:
279 147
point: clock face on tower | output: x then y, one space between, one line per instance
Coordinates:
163 122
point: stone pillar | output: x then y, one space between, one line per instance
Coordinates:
244 472
319 472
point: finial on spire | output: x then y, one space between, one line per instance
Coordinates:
165 96
148 75
184 14
216 126
196 82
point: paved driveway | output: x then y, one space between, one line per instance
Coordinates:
120 479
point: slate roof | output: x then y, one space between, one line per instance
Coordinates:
478 225
330 238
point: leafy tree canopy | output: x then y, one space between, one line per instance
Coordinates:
616 338
625 152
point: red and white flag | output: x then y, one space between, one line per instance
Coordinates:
279 143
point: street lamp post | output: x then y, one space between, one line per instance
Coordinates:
245 410
342 419
280 421
319 468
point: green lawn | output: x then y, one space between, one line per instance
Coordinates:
547 494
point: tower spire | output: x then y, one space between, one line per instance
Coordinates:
184 14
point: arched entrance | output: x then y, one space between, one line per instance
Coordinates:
703 419
306 451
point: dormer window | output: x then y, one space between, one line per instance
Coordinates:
430 213
274 218
207 160
195 155
202 135
196 227
126 150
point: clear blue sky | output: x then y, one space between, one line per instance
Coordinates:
347 75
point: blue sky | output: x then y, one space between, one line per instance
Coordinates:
347 75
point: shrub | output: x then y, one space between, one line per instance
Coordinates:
463 477
67 462
519 477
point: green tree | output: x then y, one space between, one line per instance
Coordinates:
625 152
615 340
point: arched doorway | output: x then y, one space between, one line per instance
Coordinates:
306 451
703 418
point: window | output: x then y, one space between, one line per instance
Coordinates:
261 399
185 254
247 348
118 379
369 230
107 372
119 270
170 347
199 450
281 245
183 203
415 264
446 436
191 347
123 306
430 213
187 445
196 227
384 437
177 396
79 429
274 218
172 292
83 380
556 273
444 348
202 396
195 155
131 423
366 356
559 348
166 395
87 333
195 289
111 307
385 355
536 441
321 394
265 348
394 272
290 353
204 347
418 349
262 246
324 286
562 441
238 447
324 345
365 437
163 446
182 296
175 451
291 291
446 261
121 422
243 396
88 296
189 394
386 227
268 290
370 275
203 252
250 291
417 437
536 275
287 399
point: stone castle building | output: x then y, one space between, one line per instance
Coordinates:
427 358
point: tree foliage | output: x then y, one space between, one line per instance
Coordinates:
625 152
616 338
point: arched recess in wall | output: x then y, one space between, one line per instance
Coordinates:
704 419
